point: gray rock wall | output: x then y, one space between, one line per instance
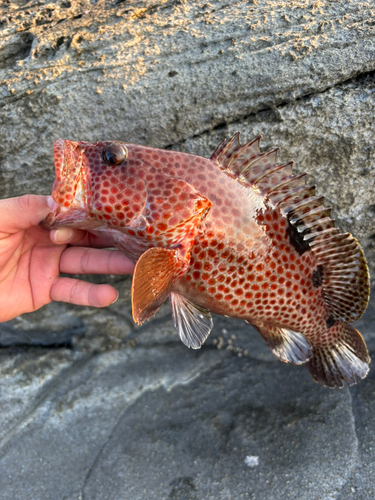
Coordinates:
181 75
94 408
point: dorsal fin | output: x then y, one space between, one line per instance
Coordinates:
231 156
345 277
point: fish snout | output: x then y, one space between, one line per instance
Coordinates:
68 189
48 222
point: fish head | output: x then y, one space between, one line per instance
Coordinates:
96 185
125 187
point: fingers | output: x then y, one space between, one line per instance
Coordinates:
70 236
82 293
22 212
66 235
84 260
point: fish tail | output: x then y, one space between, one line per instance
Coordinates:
341 356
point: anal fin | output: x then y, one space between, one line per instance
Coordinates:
193 322
289 346
342 358
154 275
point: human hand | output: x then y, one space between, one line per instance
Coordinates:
31 260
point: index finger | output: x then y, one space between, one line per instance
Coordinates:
84 260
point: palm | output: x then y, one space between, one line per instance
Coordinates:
30 263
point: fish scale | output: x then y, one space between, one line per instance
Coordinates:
236 234
250 284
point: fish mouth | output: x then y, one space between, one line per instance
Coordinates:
68 190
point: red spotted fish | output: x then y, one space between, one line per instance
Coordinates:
236 235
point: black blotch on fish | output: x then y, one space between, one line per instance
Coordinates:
317 276
330 322
296 238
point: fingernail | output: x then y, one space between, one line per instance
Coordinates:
116 299
63 235
51 203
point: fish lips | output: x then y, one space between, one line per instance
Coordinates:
68 190
61 218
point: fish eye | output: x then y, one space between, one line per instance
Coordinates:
114 154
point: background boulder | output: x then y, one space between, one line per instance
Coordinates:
93 407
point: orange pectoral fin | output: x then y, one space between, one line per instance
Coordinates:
154 275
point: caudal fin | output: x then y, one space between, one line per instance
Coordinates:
342 356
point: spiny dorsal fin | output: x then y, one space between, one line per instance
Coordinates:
345 277
231 156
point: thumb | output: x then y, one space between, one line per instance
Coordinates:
22 212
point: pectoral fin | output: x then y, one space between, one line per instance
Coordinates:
154 275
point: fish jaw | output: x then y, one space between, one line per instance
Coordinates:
71 185
71 190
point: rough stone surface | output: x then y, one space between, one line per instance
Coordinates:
152 419
94 408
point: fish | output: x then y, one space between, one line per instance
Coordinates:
236 235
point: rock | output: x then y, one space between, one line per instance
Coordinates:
161 421
94 407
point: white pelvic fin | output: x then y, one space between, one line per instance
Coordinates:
193 322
